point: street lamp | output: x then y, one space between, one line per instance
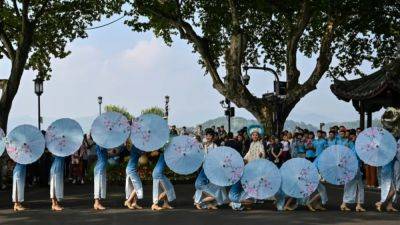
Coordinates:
38 87
229 111
100 101
166 107
277 89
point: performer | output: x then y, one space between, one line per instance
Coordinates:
354 189
331 138
310 149
280 199
299 201
298 146
239 198
396 170
100 177
18 190
133 184
388 189
342 140
208 195
320 199
163 190
256 150
319 144
57 183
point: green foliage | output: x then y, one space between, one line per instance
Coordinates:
364 30
50 25
122 110
154 110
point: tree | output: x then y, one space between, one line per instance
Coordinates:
34 31
234 33
119 109
154 110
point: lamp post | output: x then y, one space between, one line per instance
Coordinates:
38 86
277 92
229 111
166 107
100 101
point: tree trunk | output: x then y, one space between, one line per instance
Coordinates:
14 80
271 116
9 93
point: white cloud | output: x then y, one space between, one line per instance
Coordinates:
137 70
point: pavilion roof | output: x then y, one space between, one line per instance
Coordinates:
371 86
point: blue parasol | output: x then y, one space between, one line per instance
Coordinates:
376 146
184 155
64 137
25 144
2 141
398 150
261 179
110 130
338 164
223 166
149 132
299 178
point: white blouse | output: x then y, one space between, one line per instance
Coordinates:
256 151
208 146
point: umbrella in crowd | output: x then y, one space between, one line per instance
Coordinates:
223 166
2 141
25 144
149 132
64 137
261 179
184 155
299 178
337 164
376 146
110 130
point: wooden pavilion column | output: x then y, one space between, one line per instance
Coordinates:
362 116
369 119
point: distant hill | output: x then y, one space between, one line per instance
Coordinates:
238 123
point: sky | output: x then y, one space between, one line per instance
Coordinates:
136 71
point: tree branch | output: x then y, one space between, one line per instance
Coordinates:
41 11
295 34
322 65
25 6
187 32
6 42
4 51
234 16
16 8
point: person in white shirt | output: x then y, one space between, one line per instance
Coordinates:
256 150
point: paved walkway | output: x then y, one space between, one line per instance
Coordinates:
78 211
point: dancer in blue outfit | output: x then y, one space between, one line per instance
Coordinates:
100 177
133 184
354 189
163 190
18 187
208 195
388 189
321 194
239 198
57 183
